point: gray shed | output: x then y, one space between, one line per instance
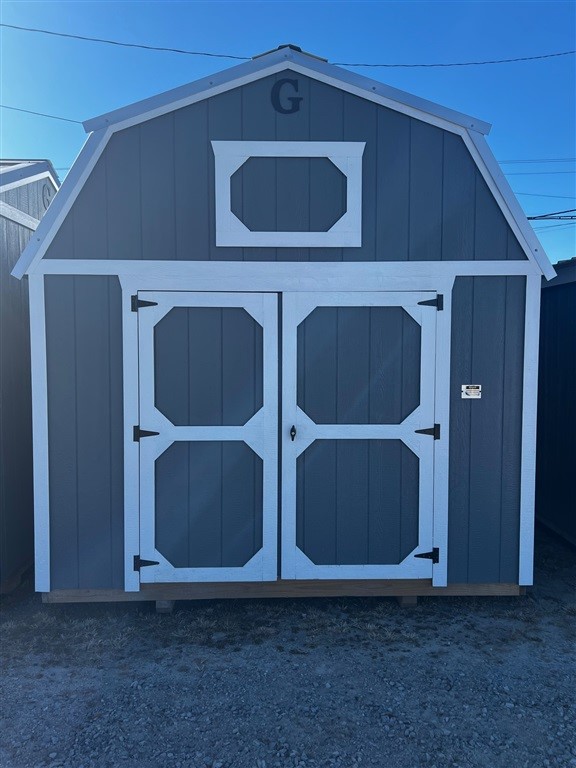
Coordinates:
556 456
26 189
284 342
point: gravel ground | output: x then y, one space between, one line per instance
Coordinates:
482 682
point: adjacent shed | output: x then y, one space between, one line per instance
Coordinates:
284 342
556 457
26 189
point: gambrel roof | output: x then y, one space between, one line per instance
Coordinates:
291 59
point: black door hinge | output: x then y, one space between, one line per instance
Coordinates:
137 433
136 303
139 563
438 302
434 555
433 431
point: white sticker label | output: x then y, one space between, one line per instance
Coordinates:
471 391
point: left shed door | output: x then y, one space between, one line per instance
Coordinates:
208 368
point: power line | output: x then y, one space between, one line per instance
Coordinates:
536 173
247 58
553 215
539 160
535 194
463 63
555 227
41 114
126 45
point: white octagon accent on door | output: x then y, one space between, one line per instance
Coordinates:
357 478
208 385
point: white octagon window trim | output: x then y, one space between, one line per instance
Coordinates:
229 156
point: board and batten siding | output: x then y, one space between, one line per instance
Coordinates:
16 504
85 429
485 435
151 193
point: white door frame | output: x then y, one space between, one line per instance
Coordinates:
296 307
259 433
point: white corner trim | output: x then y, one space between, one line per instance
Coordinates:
229 156
61 204
18 216
40 434
507 201
529 411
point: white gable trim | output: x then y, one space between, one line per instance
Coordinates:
61 204
277 61
506 199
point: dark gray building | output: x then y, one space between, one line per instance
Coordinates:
26 189
285 339
556 459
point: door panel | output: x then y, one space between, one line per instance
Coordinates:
208 479
357 480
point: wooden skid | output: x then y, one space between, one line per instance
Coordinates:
282 588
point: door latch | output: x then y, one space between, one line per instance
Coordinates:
292 433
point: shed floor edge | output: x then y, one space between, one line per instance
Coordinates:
277 589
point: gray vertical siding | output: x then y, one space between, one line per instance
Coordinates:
556 457
208 505
84 367
357 502
485 435
151 194
16 524
29 198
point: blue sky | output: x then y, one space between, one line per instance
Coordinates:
531 105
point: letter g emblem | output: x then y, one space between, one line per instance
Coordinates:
294 100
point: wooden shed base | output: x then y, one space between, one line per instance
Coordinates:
275 589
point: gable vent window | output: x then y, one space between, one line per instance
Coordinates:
288 194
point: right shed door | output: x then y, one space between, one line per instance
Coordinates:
358 372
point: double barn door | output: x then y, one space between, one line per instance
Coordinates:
286 444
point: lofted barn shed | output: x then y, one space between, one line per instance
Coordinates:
284 342
26 189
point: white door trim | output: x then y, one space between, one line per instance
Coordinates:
260 433
297 306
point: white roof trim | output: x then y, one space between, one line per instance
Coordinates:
62 202
26 172
270 63
509 205
468 128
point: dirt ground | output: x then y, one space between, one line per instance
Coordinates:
460 682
